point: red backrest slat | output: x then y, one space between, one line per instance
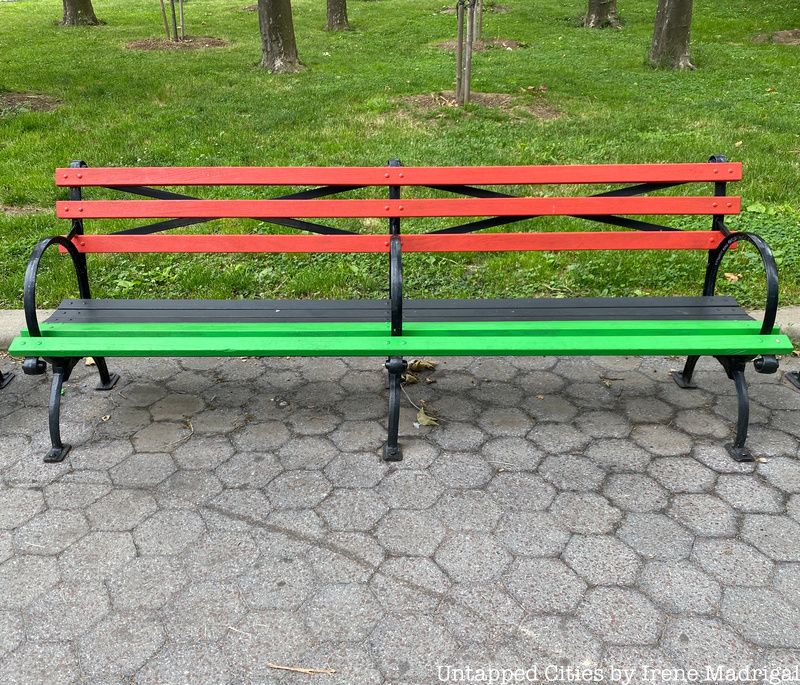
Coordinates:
381 176
461 207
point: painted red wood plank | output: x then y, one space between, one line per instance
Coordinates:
490 242
231 243
451 207
506 175
509 242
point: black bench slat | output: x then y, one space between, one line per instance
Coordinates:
308 311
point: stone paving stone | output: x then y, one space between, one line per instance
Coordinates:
585 512
787 582
635 492
50 663
409 584
603 424
353 664
602 560
777 536
562 640
345 612
661 440
732 562
411 647
638 663
66 611
783 473
352 509
346 558
648 410
176 407
140 394
186 665
6 545
417 454
621 616
558 438
248 469
655 536
119 645
143 470
680 587
12 631
510 454
702 423
409 489
161 437
190 487
310 452
467 510
203 612
220 555
121 509
472 557
50 532
550 407
699 642
261 437
245 504
716 457
18 505
411 533
283 582
682 475
704 515
97 556
461 470
24 577
571 472
749 495
793 507
66 495
359 436
521 491
618 455
355 470
529 533
220 420
480 612
457 436
168 532
545 585
766 442
762 616
146 583
203 452
505 421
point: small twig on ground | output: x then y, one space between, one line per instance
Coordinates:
300 669
408 397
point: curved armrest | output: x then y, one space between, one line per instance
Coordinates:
770 269
31 320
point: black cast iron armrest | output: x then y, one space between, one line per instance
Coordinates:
770 269
31 319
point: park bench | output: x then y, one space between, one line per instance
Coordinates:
396 327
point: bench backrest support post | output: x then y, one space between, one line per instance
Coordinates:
396 261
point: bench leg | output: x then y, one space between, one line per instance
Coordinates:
793 377
684 378
107 380
5 379
734 367
396 366
61 373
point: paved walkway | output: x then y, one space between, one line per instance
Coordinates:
216 517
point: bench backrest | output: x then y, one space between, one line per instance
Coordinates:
614 207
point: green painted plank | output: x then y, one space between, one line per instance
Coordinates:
416 345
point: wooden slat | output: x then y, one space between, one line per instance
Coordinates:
490 242
505 175
459 207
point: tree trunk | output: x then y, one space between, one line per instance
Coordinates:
79 13
671 35
279 48
601 13
337 16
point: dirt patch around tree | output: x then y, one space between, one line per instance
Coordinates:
494 9
27 102
188 43
788 37
477 46
530 104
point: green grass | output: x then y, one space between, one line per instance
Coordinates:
215 107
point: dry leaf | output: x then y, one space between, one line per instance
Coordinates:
301 669
409 378
539 397
732 278
425 419
90 362
421 365
738 143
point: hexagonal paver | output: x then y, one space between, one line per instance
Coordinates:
261 437
747 494
410 648
409 584
704 515
248 469
602 560
457 436
559 640
195 664
512 453
471 557
176 407
680 587
36 662
349 612
311 452
698 642
545 585
635 492
203 452
12 631
521 491
282 582
97 555
348 509
558 438
467 510
121 510
461 470
777 536
507 421
195 487
146 583
168 532
763 616
203 612
346 558
732 562
618 455
532 533
355 470
66 611
74 495
119 645
24 577
571 472
17 505
679 474
410 489
411 533
655 536
783 473
51 532
585 512
298 489
161 437
359 436
662 440
621 616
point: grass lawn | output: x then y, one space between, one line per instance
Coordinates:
216 107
